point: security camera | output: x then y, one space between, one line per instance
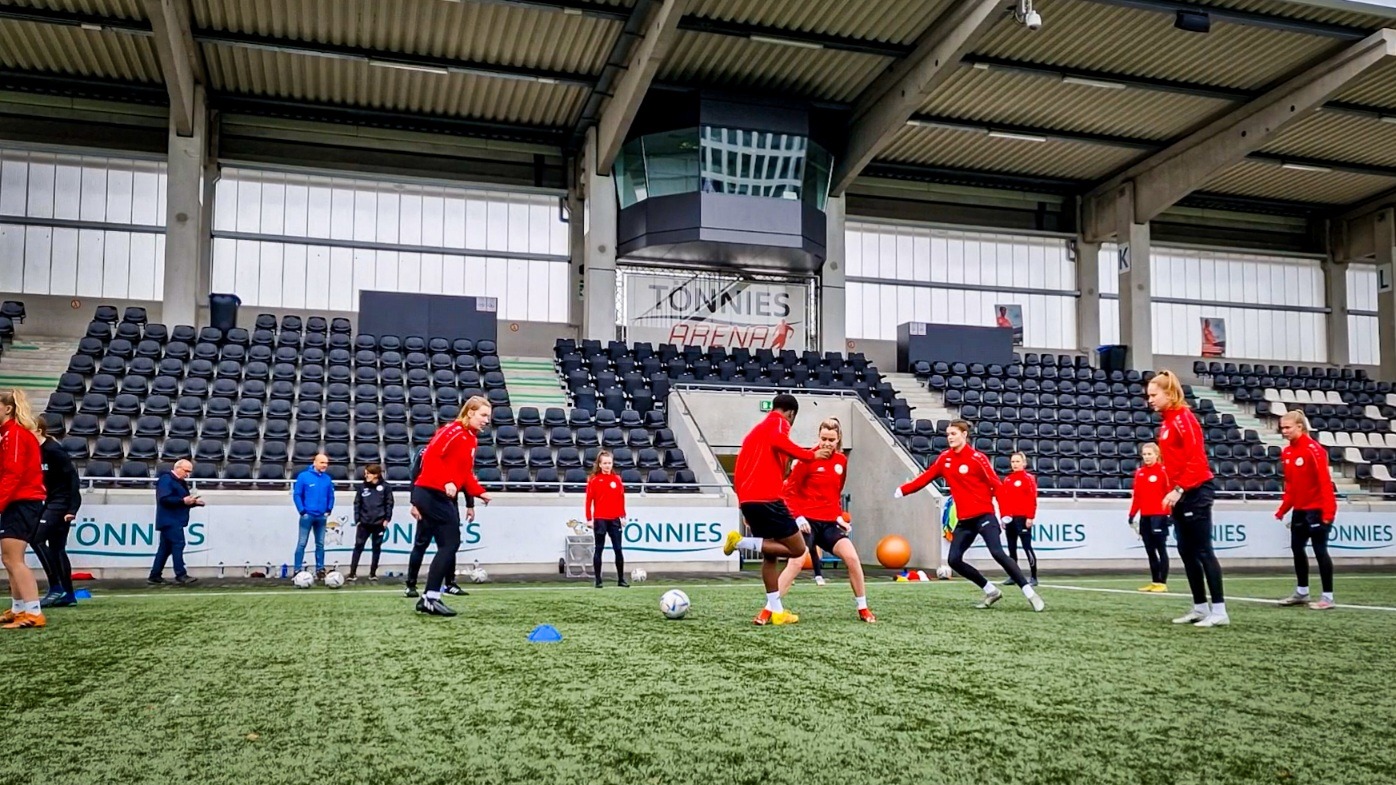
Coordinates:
1024 14
1032 20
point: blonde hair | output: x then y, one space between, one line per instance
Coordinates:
832 424
596 464
1022 455
17 400
1297 417
1172 389
1146 446
475 402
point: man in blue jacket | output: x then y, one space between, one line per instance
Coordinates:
173 500
314 497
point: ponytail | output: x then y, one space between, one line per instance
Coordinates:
19 402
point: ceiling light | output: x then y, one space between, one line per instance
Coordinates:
89 26
942 126
1101 83
1388 118
1193 22
429 69
982 66
765 39
1017 137
1304 167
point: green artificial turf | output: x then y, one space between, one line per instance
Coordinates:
318 686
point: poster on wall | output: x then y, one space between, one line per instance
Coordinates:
707 311
1213 336
1011 317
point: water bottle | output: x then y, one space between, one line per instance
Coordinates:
220 569
283 570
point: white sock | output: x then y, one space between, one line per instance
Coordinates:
749 543
1201 607
989 587
33 607
16 606
1219 609
432 595
862 603
1328 595
773 602
1028 592
1302 591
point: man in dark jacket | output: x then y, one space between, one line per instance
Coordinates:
60 509
373 513
173 500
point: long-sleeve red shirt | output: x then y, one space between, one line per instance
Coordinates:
1018 496
1150 486
605 498
1308 485
973 483
761 463
1182 449
450 459
21 465
814 489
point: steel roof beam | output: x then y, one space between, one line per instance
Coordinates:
181 60
1247 18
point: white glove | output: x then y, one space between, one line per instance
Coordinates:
897 494
803 523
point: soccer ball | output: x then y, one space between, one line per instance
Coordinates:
943 572
303 580
478 575
334 580
674 604
638 575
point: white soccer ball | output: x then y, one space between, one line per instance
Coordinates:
303 580
943 572
479 575
674 604
638 575
334 580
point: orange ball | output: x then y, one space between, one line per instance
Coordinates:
893 552
809 561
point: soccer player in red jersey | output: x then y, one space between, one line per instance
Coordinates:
1018 509
1150 486
760 483
604 510
973 486
1310 494
21 507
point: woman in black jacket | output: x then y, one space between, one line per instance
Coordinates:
373 513
61 504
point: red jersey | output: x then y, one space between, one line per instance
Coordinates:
450 459
815 488
761 463
1150 486
605 498
21 466
973 483
1018 496
1308 485
1182 449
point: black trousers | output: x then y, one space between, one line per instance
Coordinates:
1192 525
1019 531
441 520
965 532
1153 530
607 528
1307 526
421 540
51 546
363 533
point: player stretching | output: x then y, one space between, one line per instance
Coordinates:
973 486
814 493
1309 492
760 479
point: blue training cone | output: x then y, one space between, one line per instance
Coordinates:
82 594
545 633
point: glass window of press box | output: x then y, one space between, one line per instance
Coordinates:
714 159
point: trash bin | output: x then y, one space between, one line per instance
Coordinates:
1113 357
223 310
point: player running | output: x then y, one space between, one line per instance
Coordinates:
973 486
1018 509
1150 486
1310 494
814 494
760 481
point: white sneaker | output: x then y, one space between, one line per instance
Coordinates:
990 599
1037 604
1191 617
1214 620
819 580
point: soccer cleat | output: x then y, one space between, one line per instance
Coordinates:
352 578
49 599
1322 605
599 584
1191 617
433 607
990 599
784 617
454 589
7 617
1214 620
1159 588
729 545
1148 587
1038 605
622 584
763 618
1295 599
26 620
867 616
58 601
1032 582
819 580
409 591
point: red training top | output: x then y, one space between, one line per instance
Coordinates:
1150 486
450 458
605 497
1182 449
762 460
1018 496
21 467
814 489
1308 485
973 483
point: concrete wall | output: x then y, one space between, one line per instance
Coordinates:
875 469
724 418
699 453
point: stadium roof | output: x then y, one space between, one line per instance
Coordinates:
1102 85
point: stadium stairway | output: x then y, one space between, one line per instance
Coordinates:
33 364
925 404
533 381
1246 420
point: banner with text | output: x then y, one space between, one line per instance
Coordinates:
125 536
712 311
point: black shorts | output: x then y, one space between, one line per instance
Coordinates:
826 534
20 520
769 520
436 507
1154 524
